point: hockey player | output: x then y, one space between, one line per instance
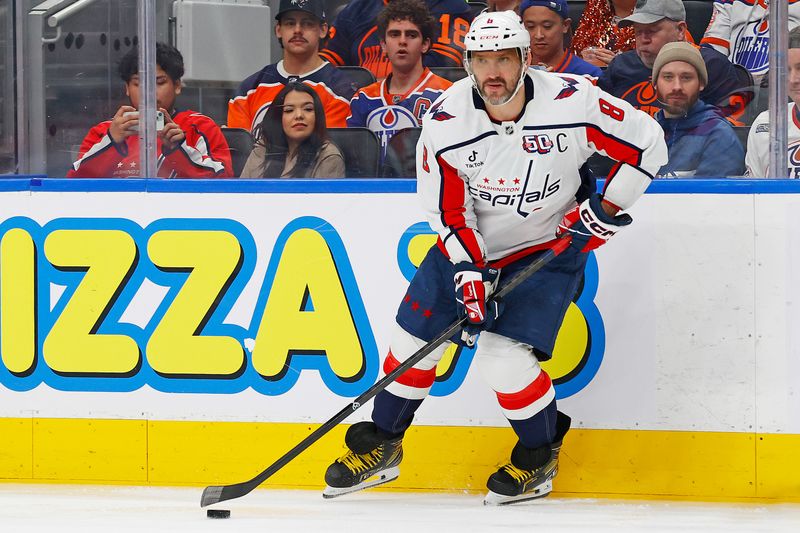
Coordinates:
300 28
548 23
399 101
190 145
740 30
356 41
757 158
501 169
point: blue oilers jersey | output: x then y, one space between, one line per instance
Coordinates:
384 113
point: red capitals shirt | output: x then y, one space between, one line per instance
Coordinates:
203 154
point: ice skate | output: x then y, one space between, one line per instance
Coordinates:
372 460
529 475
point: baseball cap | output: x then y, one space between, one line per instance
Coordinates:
559 6
681 51
315 7
649 11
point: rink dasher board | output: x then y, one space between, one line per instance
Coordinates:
693 304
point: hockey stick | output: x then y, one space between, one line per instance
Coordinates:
216 494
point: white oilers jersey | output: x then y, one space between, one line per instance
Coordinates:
492 189
740 30
757 157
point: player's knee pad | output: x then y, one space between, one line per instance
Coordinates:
513 372
404 345
415 382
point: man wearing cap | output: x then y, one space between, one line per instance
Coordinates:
656 23
300 28
548 23
700 141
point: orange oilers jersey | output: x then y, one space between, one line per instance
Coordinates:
355 40
375 108
203 154
247 108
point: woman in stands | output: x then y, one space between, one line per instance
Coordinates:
292 140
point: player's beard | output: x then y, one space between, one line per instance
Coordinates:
502 98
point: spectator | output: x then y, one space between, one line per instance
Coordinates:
190 145
548 23
656 23
292 139
739 29
598 38
300 28
355 40
700 141
405 28
757 159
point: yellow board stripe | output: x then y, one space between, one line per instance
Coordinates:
594 462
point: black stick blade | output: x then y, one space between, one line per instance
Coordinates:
214 494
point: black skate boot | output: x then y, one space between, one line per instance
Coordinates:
372 460
529 474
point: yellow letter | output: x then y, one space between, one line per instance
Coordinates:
177 346
307 272
73 345
18 307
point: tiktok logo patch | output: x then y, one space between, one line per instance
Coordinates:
472 157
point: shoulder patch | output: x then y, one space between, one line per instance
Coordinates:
438 114
762 128
569 88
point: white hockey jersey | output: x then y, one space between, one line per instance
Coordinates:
740 30
757 158
492 189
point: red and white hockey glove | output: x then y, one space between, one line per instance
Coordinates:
589 225
474 286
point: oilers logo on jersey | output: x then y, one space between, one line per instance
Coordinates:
752 47
388 120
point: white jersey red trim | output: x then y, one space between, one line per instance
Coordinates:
492 189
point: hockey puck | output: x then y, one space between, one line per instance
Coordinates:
218 513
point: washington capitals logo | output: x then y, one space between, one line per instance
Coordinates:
439 114
568 90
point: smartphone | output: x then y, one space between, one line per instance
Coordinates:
159 119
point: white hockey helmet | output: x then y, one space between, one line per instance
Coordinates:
500 30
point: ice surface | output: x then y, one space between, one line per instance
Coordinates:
85 508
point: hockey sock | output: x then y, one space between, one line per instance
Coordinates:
538 430
393 414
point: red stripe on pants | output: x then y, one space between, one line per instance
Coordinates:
535 391
420 379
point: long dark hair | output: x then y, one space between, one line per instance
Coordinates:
270 133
